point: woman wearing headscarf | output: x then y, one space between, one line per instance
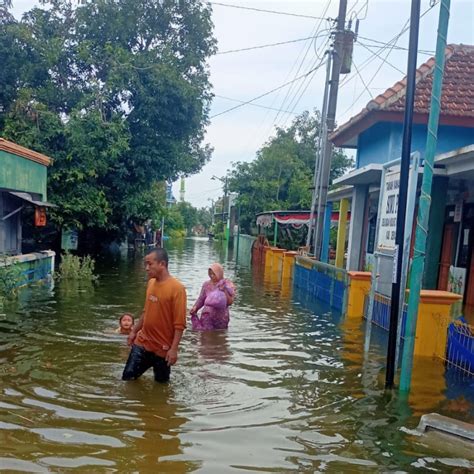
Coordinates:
217 294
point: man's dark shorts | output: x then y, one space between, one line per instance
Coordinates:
140 360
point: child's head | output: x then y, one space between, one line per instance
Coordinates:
126 322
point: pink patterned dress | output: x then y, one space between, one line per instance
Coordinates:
212 317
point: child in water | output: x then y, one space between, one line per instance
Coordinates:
126 322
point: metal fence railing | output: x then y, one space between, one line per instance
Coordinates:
460 347
381 312
460 338
325 282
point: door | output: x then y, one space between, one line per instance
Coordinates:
447 252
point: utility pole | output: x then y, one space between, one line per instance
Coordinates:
317 164
417 267
402 193
328 127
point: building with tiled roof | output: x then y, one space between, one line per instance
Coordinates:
457 99
376 135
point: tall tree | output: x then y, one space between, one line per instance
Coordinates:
281 176
117 92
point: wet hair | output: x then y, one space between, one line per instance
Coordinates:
123 316
161 255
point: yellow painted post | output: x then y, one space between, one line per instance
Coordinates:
288 265
277 259
359 287
341 233
267 257
434 317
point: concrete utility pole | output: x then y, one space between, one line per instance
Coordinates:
328 127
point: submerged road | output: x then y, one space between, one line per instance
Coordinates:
285 389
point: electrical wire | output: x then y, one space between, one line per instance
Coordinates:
372 78
266 93
254 105
274 12
362 79
379 56
306 86
391 44
251 48
382 45
275 120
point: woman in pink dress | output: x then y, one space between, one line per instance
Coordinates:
217 294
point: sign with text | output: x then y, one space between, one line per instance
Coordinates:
389 209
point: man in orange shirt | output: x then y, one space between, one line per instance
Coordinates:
156 336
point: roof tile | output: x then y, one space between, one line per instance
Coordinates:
457 98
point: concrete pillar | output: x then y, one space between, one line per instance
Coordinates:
434 240
359 288
434 317
288 265
356 230
326 233
341 232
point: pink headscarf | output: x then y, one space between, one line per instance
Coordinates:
218 270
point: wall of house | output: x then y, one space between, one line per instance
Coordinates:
383 141
10 229
21 174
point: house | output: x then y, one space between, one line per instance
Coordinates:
376 134
23 179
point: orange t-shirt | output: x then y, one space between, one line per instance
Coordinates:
165 311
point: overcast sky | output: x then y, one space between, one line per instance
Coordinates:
241 76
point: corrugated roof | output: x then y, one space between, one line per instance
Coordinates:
457 99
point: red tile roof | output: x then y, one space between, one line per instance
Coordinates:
457 98
19 150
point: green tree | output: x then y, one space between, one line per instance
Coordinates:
281 176
117 93
189 214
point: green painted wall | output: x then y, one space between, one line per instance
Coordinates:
435 232
21 174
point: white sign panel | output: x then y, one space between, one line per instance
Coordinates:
389 209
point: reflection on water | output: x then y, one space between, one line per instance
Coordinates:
286 388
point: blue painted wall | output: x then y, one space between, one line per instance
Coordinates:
383 141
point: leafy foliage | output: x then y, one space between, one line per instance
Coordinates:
10 277
73 267
117 93
281 176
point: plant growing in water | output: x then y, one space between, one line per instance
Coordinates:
10 277
77 268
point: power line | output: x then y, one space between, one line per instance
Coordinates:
383 45
274 12
254 105
276 96
362 79
268 45
266 93
376 72
379 56
391 44
322 61
300 66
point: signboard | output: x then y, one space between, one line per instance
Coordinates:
40 216
457 280
169 192
458 211
389 209
69 239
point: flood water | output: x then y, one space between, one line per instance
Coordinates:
285 389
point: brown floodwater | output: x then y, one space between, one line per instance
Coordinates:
286 389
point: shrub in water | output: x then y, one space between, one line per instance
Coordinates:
10 277
77 268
